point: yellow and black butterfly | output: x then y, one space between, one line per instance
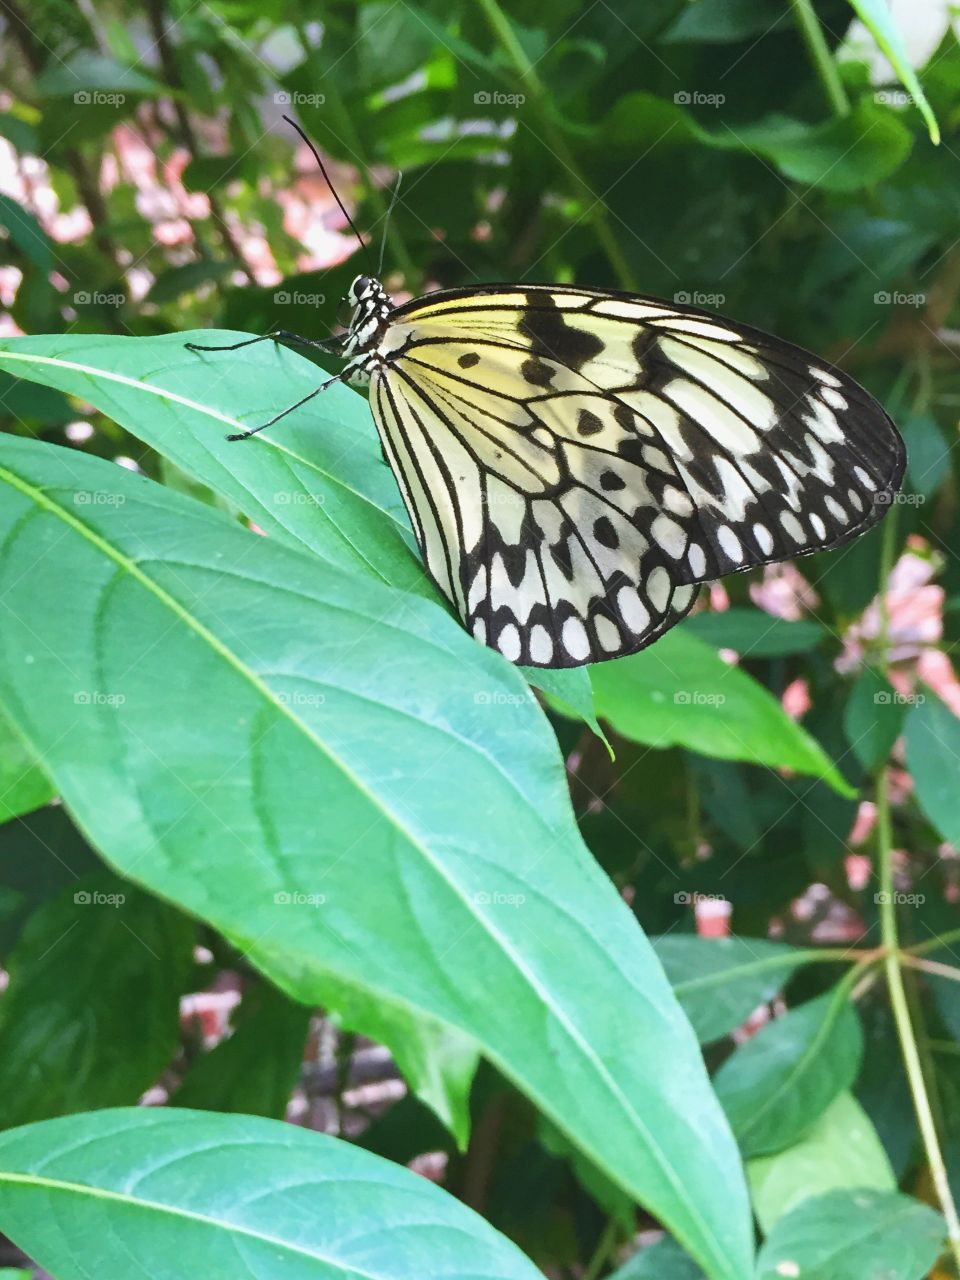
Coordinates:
576 462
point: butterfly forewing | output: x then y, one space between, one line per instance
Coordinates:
575 462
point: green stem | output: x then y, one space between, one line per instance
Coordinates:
605 1247
934 944
821 57
893 957
596 212
901 1017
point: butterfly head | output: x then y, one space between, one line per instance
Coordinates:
369 308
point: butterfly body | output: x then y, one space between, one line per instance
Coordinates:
576 462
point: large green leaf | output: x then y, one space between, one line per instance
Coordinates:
680 692
852 1235
271 742
776 1086
177 1193
317 480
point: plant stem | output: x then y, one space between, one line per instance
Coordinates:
901 1016
821 57
596 211
893 958
932 966
605 1246
933 944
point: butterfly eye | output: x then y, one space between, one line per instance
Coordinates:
345 309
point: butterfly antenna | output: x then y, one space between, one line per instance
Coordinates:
386 222
343 209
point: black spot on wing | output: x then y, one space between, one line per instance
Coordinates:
468 360
588 424
537 373
550 333
605 533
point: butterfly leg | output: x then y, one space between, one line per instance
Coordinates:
252 431
278 335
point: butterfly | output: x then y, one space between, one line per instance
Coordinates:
576 462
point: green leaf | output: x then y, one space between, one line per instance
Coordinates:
845 154
189 277
932 735
121 957
841 1152
873 717
26 233
570 693
255 1069
89 72
318 481
928 455
777 1084
755 634
879 21
23 784
720 981
247 703
679 692
723 22
40 855
850 1235
300 1206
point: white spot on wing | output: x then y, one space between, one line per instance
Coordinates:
575 639
632 609
508 642
541 645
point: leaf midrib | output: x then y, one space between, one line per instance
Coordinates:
125 563
162 393
102 1193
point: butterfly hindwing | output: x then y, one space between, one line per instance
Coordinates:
575 462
